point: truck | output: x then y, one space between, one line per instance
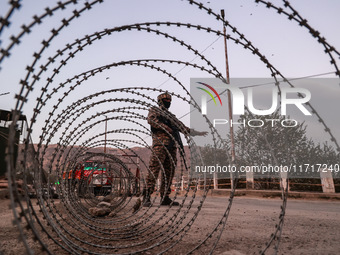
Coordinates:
90 177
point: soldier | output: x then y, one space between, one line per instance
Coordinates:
165 128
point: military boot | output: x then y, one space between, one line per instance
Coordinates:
168 201
146 198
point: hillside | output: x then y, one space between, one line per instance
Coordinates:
50 156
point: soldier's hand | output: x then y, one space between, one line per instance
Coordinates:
193 132
203 133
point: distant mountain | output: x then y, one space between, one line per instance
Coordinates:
52 156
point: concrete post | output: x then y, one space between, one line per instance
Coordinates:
327 181
215 181
249 178
283 180
158 184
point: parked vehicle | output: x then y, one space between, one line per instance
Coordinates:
31 191
46 191
90 176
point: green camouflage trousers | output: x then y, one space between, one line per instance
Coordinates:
161 156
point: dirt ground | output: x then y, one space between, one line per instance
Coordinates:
310 227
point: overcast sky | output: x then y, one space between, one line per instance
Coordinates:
288 47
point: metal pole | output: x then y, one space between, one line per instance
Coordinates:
232 140
104 158
225 49
105 134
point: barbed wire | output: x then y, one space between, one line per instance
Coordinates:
67 222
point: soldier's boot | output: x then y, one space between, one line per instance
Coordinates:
146 198
168 201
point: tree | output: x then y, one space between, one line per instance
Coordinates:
274 143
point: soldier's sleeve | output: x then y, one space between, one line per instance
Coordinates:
153 119
184 129
180 125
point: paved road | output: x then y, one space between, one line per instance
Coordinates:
310 227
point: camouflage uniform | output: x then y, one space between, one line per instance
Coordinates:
165 129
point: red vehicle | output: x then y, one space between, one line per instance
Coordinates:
91 176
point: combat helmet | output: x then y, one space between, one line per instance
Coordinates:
161 97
